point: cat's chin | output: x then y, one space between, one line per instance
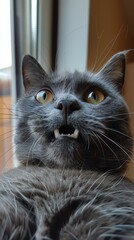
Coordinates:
63 142
65 152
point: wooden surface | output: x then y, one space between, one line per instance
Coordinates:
6 154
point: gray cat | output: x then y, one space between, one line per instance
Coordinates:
72 141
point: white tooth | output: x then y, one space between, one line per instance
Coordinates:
56 133
75 134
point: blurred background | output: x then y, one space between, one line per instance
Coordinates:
63 35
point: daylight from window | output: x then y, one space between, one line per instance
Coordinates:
5 34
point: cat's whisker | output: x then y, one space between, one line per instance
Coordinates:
63 184
8 134
7 200
88 143
71 235
47 65
14 150
112 236
7 151
31 148
118 115
116 231
97 54
119 132
101 146
98 58
118 145
117 183
100 178
114 41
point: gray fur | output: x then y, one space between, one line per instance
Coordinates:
105 139
43 203
65 188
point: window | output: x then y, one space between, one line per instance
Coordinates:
5 87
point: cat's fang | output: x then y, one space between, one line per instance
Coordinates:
56 133
73 135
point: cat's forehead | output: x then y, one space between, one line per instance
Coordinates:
71 76
72 80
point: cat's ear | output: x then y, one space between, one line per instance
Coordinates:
33 73
114 69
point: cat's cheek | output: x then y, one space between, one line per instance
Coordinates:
35 126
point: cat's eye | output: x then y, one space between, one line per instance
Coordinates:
44 96
95 97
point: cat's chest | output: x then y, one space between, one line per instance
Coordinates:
58 192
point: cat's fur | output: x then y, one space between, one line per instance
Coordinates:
104 141
70 188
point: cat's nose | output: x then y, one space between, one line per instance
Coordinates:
68 106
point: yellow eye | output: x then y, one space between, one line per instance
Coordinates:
44 96
95 97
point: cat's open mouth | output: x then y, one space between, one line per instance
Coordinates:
67 131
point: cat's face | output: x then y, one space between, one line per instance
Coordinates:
75 120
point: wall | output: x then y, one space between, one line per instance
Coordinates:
45 34
129 96
111 30
72 35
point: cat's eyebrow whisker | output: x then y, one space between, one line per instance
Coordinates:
46 63
97 54
114 41
97 59
106 48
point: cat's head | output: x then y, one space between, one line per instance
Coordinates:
74 120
